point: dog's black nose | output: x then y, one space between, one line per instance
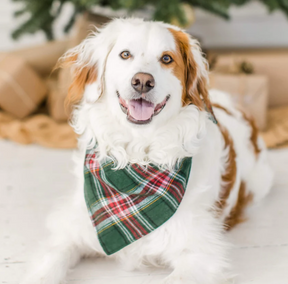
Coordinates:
143 82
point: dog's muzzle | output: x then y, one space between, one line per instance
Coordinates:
141 111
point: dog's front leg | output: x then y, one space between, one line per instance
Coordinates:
203 258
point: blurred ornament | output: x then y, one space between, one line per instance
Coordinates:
246 67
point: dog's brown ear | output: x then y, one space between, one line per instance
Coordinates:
200 92
80 74
195 90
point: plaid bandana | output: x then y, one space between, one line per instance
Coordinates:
127 204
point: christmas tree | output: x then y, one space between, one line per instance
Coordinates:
42 13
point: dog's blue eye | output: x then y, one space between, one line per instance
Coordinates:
166 59
125 54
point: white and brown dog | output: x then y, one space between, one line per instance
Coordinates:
140 91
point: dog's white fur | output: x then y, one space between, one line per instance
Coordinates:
192 241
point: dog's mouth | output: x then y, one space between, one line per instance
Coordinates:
141 111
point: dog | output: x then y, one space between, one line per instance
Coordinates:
140 96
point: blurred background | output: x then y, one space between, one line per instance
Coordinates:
245 41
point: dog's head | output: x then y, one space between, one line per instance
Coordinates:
144 71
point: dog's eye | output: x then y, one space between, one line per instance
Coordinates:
125 54
166 59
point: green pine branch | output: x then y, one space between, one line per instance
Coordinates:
43 13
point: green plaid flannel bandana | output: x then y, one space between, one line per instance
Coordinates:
127 204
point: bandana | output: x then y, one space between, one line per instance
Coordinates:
127 204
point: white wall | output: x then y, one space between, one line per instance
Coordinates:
251 26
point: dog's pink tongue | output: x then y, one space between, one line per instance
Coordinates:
140 109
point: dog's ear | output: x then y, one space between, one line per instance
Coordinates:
195 90
81 74
87 62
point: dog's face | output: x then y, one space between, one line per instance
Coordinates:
141 72
144 71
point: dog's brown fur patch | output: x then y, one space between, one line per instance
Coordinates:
254 132
222 108
195 89
177 66
80 76
236 215
251 122
229 177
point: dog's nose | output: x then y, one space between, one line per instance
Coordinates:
143 82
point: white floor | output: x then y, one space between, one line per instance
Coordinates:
32 177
